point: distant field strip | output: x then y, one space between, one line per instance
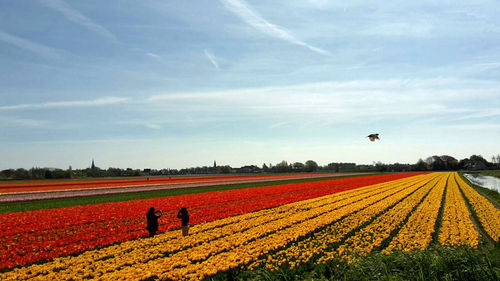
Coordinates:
401 214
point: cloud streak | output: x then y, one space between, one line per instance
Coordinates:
241 9
212 59
342 102
21 122
66 104
30 46
75 16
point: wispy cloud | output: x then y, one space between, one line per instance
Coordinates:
21 122
66 104
75 16
242 10
355 101
153 55
475 127
30 46
211 58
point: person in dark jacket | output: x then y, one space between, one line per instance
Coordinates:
184 216
152 217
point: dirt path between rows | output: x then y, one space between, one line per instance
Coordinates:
37 195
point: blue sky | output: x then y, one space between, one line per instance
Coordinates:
172 84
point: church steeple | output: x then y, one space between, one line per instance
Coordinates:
93 166
215 164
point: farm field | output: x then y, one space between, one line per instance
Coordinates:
55 185
261 228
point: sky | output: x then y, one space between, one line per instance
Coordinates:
174 84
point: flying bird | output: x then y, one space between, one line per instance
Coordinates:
373 137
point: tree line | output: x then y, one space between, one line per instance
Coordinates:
432 163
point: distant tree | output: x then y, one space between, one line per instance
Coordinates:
21 174
48 174
449 162
379 166
420 165
225 169
282 167
496 160
37 173
7 174
478 158
435 163
310 166
265 168
298 167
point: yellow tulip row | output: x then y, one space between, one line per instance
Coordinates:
171 251
488 214
321 241
457 227
370 237
417 232
252 250
184 264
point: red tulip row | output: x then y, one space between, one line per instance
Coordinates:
27 237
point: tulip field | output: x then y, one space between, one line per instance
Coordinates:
266 227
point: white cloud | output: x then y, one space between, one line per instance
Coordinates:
66 104
75 16
211 58
241 9
153 55
30 46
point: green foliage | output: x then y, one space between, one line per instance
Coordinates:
491 174
310 166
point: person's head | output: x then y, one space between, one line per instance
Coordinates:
183 210
151 210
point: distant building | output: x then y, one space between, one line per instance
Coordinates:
342 166
475 166
248 169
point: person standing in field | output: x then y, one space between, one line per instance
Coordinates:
184 216
152 218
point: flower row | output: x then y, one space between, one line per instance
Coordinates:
418 230
457 227
212 246
321 242
370 237
27 237
80 184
